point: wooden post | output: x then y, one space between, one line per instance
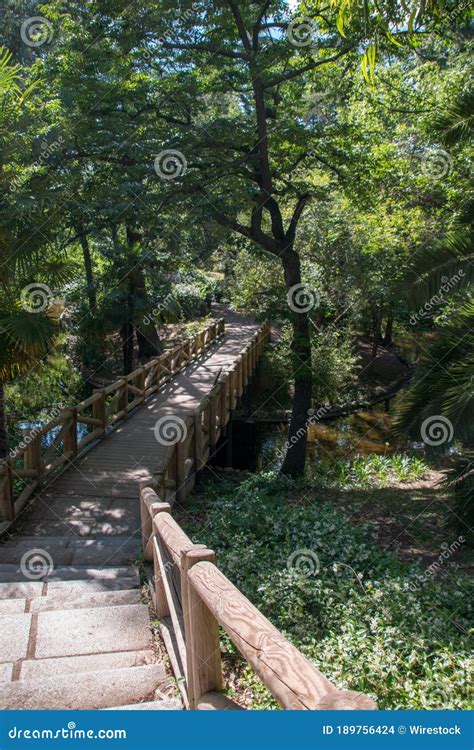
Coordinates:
180 471
161 606
141 383
232 388
213 419
7 506
70 433
198 441
35 456
123 397
203 656
98 408
225 397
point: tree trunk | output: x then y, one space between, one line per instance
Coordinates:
126 333
86 254
149 344
3 423
388 338
377 334
294 462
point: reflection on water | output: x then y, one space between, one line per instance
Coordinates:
358 434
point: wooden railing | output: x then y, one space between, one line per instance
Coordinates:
193 598
37 458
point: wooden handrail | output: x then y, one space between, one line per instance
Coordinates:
290 677
203 599
193 597
107 407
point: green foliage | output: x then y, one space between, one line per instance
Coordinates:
362 617
368 471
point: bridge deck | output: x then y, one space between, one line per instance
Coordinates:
98 494
84 615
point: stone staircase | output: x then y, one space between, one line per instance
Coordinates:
78 635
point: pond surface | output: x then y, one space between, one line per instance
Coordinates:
358 434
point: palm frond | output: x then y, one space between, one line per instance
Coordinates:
25 337
456 123
443 269
443 385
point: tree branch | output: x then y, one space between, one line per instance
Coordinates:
310 66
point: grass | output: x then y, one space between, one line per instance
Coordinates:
369 621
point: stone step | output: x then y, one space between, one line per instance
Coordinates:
111 551
12 606
33 669
14 636
10 573
85 691
83 600
73 589
163 705
67 589
74 632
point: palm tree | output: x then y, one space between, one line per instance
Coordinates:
440 403
27 328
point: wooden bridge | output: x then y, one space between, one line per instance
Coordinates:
83 497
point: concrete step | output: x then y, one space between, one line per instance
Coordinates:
85 691
21 590
77 551
72 589
33 669
83 600
12 606
74 632
163 705
14 636
10 573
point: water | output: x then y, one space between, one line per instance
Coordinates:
362 433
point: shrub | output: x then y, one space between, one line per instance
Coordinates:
368 621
